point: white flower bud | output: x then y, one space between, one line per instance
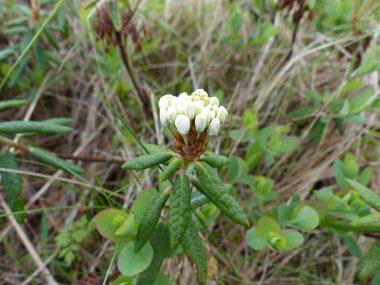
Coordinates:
182 124
198 108
190 109
165 101
213 129
222 114
214 101
201 122
172 113
183 96
163 117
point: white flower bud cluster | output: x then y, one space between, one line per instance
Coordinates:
179 112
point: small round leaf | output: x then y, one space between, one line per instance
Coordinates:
131 262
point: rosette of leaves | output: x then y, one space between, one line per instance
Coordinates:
147 239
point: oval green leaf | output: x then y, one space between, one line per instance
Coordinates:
132 262
104 223
254 240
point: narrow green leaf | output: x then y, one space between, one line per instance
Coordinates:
131 262
170 169
54 161
5 53
146 161
20 127
235 212
371 261
12 185
179 211
39 53
215 160
148 224
366 194
365 176
160 244
198 200
352 246
194 249
12 103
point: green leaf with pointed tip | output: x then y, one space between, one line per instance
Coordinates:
215 160
194 249
369 221
266 225
160 244
210 185
104 223
12 103
151 216
254 240
147 161
366 194
179 211
170 169
21 127
365 176
12 185
293 239
339 174
54 161
371 261
213 185
131 262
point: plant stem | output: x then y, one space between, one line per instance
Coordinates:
128 65
5 141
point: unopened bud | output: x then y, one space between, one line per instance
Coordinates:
163 117
214 101
213 129
200 122
222 114
182 124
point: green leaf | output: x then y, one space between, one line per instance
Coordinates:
5 53
131 262
365 176
275 241
361 100
146 161
302 112
366 194
352 246
254 155
311 3
115 15
54 161
179 211
12 103
339 174
266 225
254 240
39 53
212 187
142 202
151 216
15 127
152 148
238 134
160 245
127 228
12 185
350 166
286 145
215 160
371 261
162 279
198 200
305 217
170 169
351 86
368 61
105 226
293 239
369 221
194 249
236 169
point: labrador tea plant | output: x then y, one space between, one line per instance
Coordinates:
152 231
